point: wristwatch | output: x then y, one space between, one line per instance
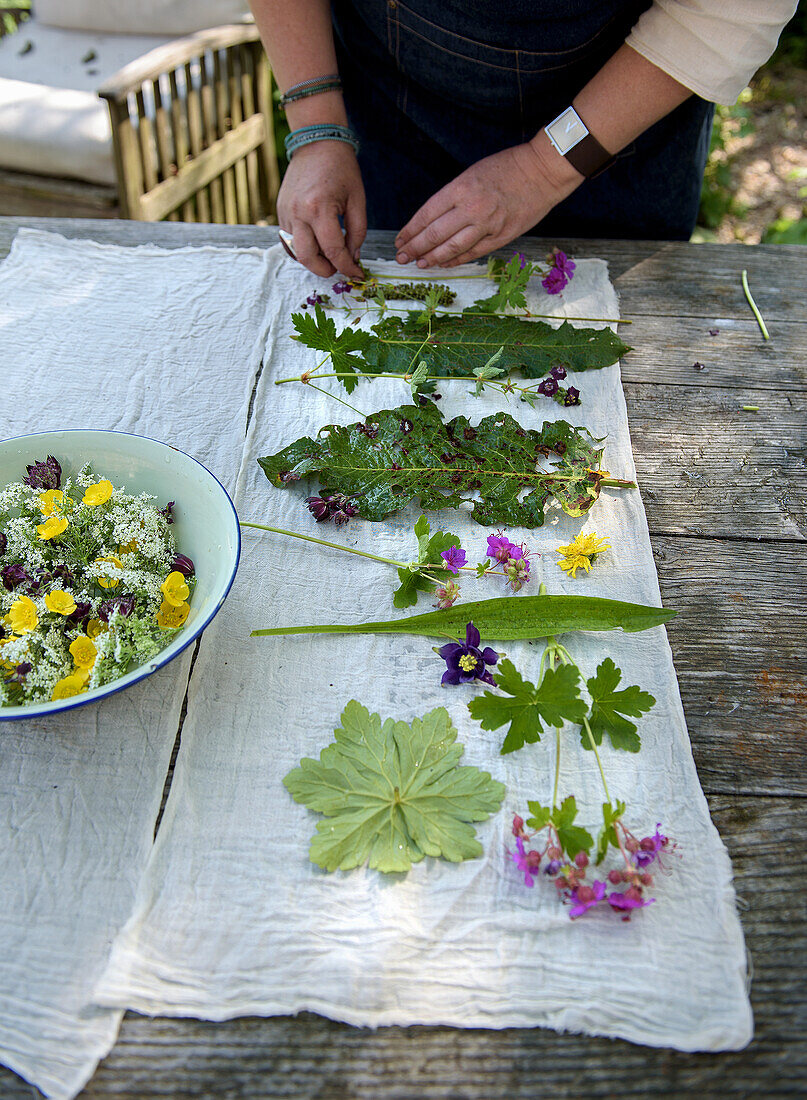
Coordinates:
570 136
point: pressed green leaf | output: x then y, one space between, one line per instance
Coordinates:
398 455
540 815
554 701
319 332
507 619
393 793
607 834
458 344
609 707
512 280
573 838
430 547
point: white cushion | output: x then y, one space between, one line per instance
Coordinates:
140 16
51 120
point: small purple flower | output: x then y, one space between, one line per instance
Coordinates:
81 613
44 475
455 557
3 542
20 672
168 511
466 663
523 862
625 902
13 575
342 287
554 282
558 372
318 507
549 387
522 260
586 897
336 506
572 396
500 548
552 867
184 565
123 604
564 263
649 847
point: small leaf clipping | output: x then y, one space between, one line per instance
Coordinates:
609 707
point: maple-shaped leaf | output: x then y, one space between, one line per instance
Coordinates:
609 707
407 453
457 345
573 838
319 332
540 815
554 701
607 834
392 793
512 280
430 547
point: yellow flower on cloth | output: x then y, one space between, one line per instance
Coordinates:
174 589
170 616
50 502
95 627
60 602
109 582
83 651
53 526
22 616
99 493
70 685
581 553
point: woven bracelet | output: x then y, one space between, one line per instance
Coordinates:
323 132
316 86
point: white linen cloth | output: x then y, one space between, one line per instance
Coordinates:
157 342
231 918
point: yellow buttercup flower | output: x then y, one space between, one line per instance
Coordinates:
169 617
74 684
581 553
22 616
99 493
53 526
60 602
83 651
109 582
50 502
96 627
174 589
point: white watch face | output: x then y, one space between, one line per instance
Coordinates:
566 130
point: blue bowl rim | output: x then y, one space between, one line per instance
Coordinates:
110 689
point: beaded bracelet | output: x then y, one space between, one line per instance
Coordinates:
322 132
316 86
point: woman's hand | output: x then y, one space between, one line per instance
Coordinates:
323 181
488 205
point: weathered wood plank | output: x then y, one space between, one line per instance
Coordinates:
310 1057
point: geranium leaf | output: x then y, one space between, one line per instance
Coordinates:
319 332
398 455
607 834
393 793
609 707
540 815
513 281
430 547
457 345
573 838
554 701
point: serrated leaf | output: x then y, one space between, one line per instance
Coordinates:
393 793
507 619
430 547
607 834
540 815
573 838
459 344
609 707
553 702
319 332
513 281
398 455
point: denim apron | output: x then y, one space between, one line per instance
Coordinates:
431 86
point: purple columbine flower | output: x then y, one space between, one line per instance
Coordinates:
123 604
3 542
572 396
500 548
558 372
44 475
342 287
466 663
455 557
528 862
168 511
549 387
184 565
586 897
12 575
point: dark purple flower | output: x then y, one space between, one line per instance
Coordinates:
44 475
81 613
318 507
525 861
62 573
549 387
41 577
572 396
554 282
455 557
552 867
3 542
465 663
649 847
124 604
586 897
168 511
342 287
625 902
20 672
12 575
563 263
336 506
183 564
500 548
558 372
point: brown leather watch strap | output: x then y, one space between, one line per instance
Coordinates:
589 157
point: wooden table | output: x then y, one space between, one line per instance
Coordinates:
724 491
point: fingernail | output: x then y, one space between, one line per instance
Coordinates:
356 255
422 263
402 258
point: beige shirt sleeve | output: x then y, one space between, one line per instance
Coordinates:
713 47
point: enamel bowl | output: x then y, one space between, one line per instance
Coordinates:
205 528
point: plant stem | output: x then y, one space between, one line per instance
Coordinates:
324 542
593 744
557 769
333 395
387 308
753 305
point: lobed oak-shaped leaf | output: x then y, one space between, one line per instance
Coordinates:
392 793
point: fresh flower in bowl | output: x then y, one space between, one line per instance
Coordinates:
116 551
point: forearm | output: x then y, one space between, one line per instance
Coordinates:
298 38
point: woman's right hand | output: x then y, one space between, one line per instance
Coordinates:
322 182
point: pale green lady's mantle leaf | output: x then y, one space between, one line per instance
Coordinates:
609 707
397 455
393 793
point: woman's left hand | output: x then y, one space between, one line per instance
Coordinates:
487 206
